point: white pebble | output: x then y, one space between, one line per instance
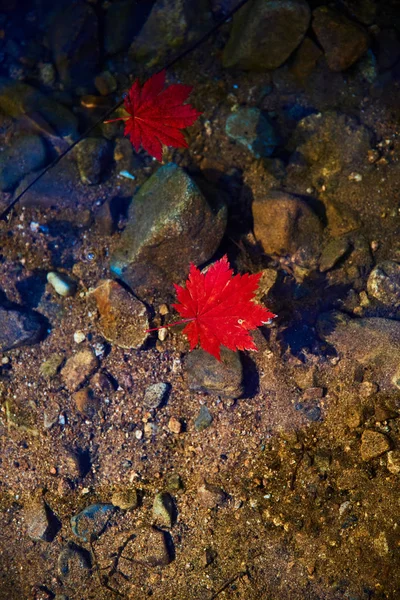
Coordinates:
61 284
79 337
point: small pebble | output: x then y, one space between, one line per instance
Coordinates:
174 425
138 434
79 337
62 284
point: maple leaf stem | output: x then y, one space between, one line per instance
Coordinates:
114 120
171 324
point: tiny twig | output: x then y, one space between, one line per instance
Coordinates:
227 583
104 117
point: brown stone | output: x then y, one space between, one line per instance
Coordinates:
373 444
78 369
343 40
123 318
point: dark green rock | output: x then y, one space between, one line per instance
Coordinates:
170 225
23 155
206 374
19 99
265 33
90 523
18 329
254 130
203 419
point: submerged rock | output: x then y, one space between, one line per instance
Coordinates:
123 318
19 99
254 130
123 20
74 41
91 156
284 224
384 283
374 342
42 523
203 419
74 564
343 41
265 33
90 523
164 509
19 329
156 394
78 368
373 444
170 225
169 25
24 155
206 374
331 143
148 546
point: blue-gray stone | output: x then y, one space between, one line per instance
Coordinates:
254 130
90 523
170 225
204 419
23 155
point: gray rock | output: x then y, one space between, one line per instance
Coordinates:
203 419
170 225
164 509
155 395
91 522
284 224
23 155
74 564
170 24
384 283
343 41
92 156
373 342
123 318
174 483
18 329
373 444
265 33
223 378
148 546
42 525
251 128
19 99
74 41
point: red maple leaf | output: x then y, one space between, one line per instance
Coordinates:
156 115
219 308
